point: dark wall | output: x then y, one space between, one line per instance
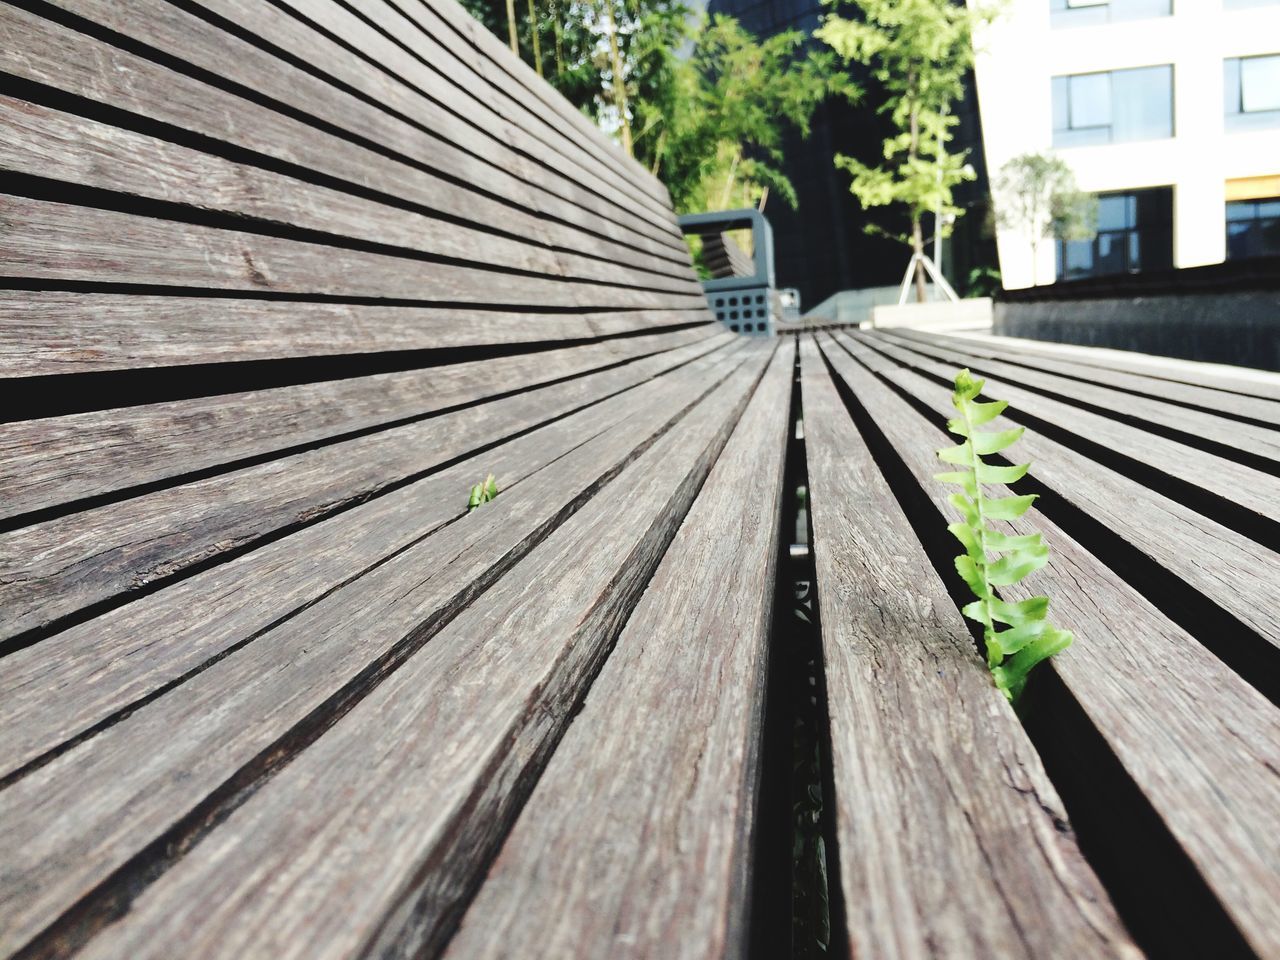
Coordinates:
822 247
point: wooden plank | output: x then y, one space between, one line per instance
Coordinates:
1257 440
1227 567
55 460
46 53
427 67
62 242
1143 682
444 746
501 69
916 724
1234 482
44 142
74 681
51 570
1207 399
45 332
1245 381
451 145
649 800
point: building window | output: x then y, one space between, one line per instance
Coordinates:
1245 4
1115 107
1083 13
1253 228
1135 233
1251 87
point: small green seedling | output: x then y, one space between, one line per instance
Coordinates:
991 558
482 493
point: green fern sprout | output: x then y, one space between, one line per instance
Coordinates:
993 559
482 493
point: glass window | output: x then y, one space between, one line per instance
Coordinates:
1253 228
1243 4
1080 13
1259 84
1113 107
1135 232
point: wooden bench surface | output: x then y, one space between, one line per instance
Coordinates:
1173 670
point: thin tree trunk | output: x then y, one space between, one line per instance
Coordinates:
511 26
555 26
1035 263
619 81
657 151
728 183
537 44
917 244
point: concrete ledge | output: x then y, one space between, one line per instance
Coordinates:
970 314
1240 328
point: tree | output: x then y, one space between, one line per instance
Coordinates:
712 127
919 51
1036 195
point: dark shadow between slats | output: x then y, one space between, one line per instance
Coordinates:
1157 891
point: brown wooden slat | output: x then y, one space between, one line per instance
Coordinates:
50 332
916 726
1247 437
1145 683
1241 380
40 141
1234 482
53 569
452 146
62 459
501 69
1242 577
651 824
47 53
58 241
443 747
1206 398
54 691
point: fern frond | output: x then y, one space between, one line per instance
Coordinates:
1017 635
482 493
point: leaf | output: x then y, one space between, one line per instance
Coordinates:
1008 508
992 474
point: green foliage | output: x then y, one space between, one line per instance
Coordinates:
713 128
919 51
482 493
991 558
1035 194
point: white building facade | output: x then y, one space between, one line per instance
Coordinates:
1169 110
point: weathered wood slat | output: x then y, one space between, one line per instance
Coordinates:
49 54
62 459
1210 774
1206 398
1234 482
652 824
917 725
43 142
63 242
51 332
1227 567
53 569
66 684
431 762
1260 441
492 61
1220 376
452 145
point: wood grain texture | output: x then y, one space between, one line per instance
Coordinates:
56 690
1249 438
441 138
637 841
48 333
47 53
53 569
1251 488
427 765
1245 381
1212 775
1203 397
1235 572
54 460
938 790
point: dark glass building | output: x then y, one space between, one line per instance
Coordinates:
822 247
